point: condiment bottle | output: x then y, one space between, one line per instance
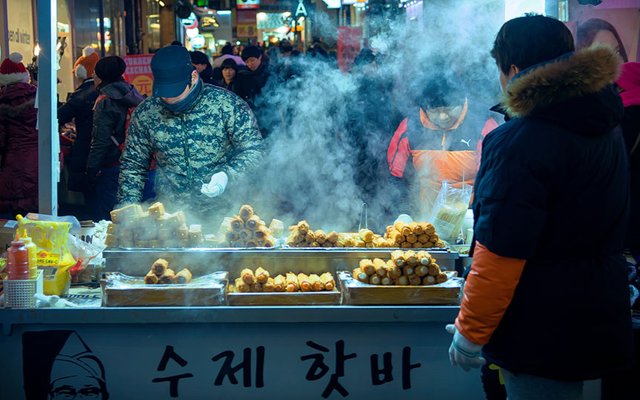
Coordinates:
18 261
33 256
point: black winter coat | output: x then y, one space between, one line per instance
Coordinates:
109 119
553 189
631 128
79 107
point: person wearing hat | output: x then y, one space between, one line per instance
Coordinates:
203 138
79 108
201 63
18 139
111 110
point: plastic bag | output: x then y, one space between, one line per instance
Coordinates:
449 210
51 237
83 252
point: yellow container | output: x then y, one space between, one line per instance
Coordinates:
56 280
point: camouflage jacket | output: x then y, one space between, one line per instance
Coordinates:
218 133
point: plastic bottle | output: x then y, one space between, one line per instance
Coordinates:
33 256
18 261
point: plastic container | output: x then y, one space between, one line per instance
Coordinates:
20 293
18 261
33 256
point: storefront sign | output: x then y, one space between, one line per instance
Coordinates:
138 73
232 361
301 11
246 24
190 22
20 28
248 4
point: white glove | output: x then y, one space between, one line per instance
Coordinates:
406 218
216 185
462 352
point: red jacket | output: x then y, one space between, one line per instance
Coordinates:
18 149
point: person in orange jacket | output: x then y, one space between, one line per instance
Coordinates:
439 141
547 298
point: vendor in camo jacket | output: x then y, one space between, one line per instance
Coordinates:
203 137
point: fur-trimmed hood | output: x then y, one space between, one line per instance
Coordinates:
574 90
9 79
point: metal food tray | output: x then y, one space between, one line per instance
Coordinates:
137 261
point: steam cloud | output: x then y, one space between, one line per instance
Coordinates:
310 170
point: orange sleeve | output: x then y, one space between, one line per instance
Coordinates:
487 293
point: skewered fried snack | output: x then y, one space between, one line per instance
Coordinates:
232 236
411 238
126 213
429 280
406 245
167 276
408 270
184 276
247 276
261 233
367 267
242 286
246 212
150 278
398 257
375 280
245 234
305 283
310 237
360 275
416 228
424 238
428 228
253 223
328 281
316 283
333 237
386 281
403 280
321 237
292 284
111 240
159 266
434 269
442 277
195 235
303 226
424 258
421 270
236 224
279 283
269 285
399 226
262 275
392 270
251 244
410 257
156 210
414 280
380 267
366 235
257 287
269 242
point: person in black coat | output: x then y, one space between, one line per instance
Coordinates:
547 298
230 80
117 98
79 108
201 63
255 76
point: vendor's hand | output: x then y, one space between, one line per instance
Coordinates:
216 186
462 352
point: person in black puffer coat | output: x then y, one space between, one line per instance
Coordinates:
116 98
201 63
547 298
79 108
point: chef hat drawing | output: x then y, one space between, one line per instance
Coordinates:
76 359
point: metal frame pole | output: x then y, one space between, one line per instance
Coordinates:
47 110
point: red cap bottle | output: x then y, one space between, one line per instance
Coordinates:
18 261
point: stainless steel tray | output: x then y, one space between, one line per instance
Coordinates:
137 261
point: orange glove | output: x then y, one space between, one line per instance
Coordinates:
488 292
